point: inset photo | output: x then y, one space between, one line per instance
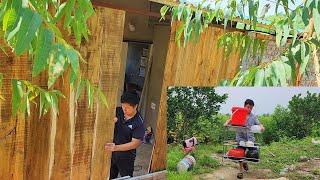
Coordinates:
243 133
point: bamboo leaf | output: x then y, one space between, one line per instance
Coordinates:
288 71
278 35
305 16
80 86
180 11
305 56
68 11
286 31
316 17
57 65
31 21
74 61
259 78
44 44
60 12
179 34
163 11
102 97
17 94
279 71
9 19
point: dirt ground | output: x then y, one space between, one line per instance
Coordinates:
228 171
142 161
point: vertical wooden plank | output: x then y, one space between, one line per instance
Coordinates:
201 64
159 152
23 66
112 22
63 135
85 118
38 141
12 129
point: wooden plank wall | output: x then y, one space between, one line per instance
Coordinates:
69 145
200 64
12 129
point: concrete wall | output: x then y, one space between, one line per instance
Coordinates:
143 32
272 51
133 63
160 47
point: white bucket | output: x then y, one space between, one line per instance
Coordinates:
186 163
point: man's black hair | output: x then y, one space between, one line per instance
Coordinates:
131 98
249 101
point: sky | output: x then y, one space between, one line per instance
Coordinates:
266 99
262 4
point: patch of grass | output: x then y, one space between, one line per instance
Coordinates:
299 176
173 175
204 162
286 152
316 172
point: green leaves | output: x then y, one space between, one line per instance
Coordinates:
9 19
75 66
57 64
92 93
23 93
305 56
163 12
30 23
75 13
18 93
234 41
259 78
42 52
316 17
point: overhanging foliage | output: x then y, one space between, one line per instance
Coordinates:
40 28
297 30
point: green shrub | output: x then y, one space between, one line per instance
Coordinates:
300 119
192 112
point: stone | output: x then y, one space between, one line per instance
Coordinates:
303 159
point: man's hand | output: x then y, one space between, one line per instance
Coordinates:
227 123
115 119
110 147
262 128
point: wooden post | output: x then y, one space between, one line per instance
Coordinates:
85 117
38 139
200 64
12 129
63 138
112 22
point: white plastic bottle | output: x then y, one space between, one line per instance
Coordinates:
186 163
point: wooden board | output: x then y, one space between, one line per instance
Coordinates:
71 144
198 64
85 118
112 23
63 136
12 129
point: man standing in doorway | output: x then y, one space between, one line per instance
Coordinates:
128 135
